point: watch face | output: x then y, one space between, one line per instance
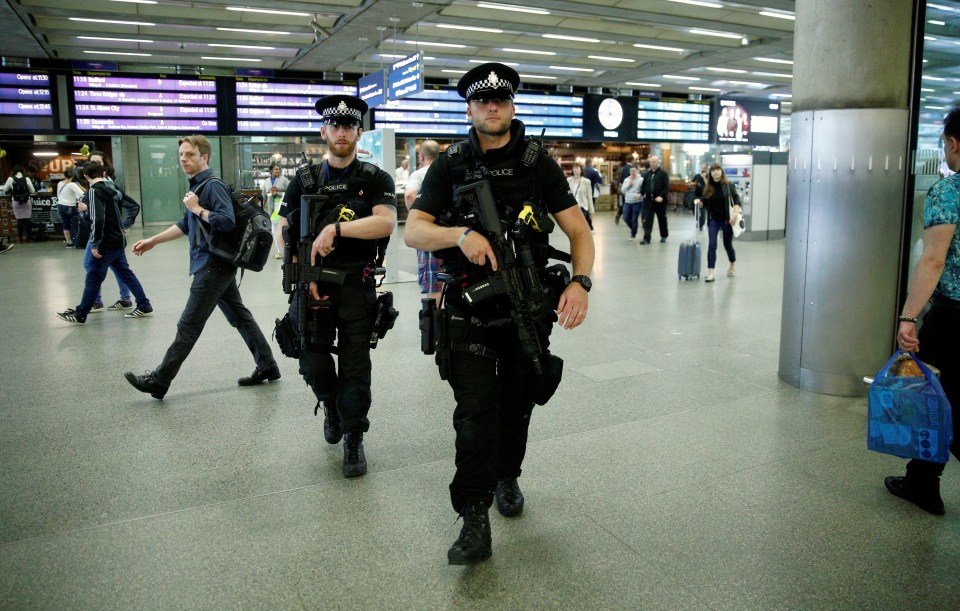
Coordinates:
610 113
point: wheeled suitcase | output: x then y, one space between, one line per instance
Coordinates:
688 265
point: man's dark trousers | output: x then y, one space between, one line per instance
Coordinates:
650 208
215 285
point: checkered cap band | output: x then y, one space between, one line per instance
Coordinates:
341 110
491 82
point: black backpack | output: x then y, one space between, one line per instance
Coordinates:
20 189
250 243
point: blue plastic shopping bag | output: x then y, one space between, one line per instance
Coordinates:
909 415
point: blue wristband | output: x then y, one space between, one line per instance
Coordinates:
464 236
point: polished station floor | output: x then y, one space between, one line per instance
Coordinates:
672 470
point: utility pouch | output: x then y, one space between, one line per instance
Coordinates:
286 337
555 279
385 318
545 384
427 314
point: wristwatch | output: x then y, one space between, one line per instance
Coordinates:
584 281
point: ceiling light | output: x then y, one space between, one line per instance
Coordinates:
780 95
230 59
511 7
113 21
435 44
927 107
657 47
929 38
141 40
470 28
45 153
771 60
454 71
929 90
644 85
390 56
778 15
484 61
941 7
136 1
574 69
549 78
937 22
212 44
263 32
717 34
573 38
746 84
611 59
730 70
774 74
268 11
118 53
529 51
933 78
702 88
682 78
698 3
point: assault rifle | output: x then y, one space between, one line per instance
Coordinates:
517 275
297 275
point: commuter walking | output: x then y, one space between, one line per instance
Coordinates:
68 194
656 189
582 189
273 188
132 209
936 279
632 201
108 247
427 264
214 280
719 196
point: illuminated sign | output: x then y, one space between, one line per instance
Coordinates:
275 106
406 77
25 102
747 121
159 103
673 120
373 88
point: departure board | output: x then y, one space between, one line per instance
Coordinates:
275 106
439 111
673 120
103 101
25 102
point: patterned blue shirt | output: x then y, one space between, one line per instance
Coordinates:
943 208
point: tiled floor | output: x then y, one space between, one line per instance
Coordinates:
672 469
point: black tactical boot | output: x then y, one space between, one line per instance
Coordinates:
332 430
509 498
473 544
354 462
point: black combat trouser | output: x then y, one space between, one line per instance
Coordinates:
494 393
349 322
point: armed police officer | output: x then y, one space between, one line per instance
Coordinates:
336 214
483 209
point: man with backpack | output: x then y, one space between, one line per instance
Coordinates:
208 210
344 245
107 247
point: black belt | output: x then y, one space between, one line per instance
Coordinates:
939 301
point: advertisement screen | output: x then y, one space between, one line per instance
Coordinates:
25 101
107 102
748 121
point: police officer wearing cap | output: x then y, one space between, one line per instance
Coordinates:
492 380
349 247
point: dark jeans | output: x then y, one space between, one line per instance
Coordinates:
631 212
492 417
649 209
213 286
713 228
69 217
24 230
88 262
117 261
939 338
349 322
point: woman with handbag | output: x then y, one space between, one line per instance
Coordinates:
722 203
582 189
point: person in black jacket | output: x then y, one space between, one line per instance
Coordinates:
717 196
656 188
108 247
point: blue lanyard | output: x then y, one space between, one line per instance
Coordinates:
343 174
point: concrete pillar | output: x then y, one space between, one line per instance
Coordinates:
846 178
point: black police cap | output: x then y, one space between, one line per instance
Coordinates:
341 109
490 80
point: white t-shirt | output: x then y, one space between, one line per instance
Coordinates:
416 179
68 193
